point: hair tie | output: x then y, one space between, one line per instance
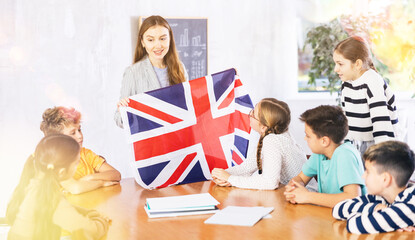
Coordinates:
275 129
50 166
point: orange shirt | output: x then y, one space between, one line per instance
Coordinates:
88 164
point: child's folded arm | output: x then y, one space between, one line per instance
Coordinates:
329 199
268 180
398 216
80 186
109 175
72 219
272 161
102 169
363 204
247 167
262 181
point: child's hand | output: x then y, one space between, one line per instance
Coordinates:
225 184
93 213
123 102
110 183
221 183
88 177
298 194
288 189
107 219
220 174
379 207
290 197
290 186
407 229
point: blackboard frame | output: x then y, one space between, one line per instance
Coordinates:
201 69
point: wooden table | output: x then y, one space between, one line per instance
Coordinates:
124 205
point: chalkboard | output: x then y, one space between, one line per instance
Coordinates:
190 35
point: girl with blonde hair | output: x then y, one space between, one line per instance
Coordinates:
278 158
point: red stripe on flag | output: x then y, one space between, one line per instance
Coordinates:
179 170
228 100
241 121
154 112
206 131
236 158
238 83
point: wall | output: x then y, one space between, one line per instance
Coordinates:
73 53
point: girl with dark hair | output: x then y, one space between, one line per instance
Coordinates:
38 209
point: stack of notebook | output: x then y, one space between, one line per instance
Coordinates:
192 204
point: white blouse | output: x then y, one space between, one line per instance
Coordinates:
282 160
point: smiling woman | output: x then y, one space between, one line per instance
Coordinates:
156 42
156 62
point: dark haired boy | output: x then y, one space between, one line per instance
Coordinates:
337 166
390 204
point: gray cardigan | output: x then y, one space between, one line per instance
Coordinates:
138 78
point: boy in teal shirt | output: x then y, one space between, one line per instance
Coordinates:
337 166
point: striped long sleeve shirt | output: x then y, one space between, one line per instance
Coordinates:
361 217
370 108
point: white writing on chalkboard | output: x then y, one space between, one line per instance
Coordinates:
191 43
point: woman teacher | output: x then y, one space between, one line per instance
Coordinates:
156 62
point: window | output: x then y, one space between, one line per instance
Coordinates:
389 27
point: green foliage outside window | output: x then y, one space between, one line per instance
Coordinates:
323 39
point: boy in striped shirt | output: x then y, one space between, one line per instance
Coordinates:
390 204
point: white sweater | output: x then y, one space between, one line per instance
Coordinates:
138 78
282 160
370 108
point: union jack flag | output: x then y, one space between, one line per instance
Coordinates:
181 132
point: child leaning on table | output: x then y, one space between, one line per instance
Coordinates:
278 157
38 209
338 166
92 171
390 204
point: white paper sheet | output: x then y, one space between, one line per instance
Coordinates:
240 216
